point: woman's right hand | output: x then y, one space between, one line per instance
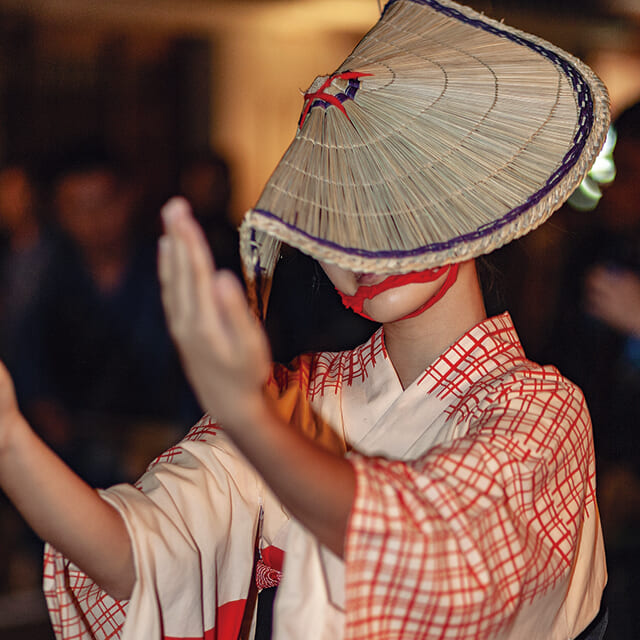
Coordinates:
224 349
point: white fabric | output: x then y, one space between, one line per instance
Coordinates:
379 418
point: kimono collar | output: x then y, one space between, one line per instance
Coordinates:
491 344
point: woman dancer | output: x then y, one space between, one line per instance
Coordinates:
432 482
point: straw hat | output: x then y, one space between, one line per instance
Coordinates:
443 136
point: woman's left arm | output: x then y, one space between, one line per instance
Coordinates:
226 357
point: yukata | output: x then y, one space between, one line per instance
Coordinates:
474 514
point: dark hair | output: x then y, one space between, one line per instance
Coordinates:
492 283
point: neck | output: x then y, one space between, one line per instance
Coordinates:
414 343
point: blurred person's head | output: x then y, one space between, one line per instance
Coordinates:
205 181
621 204
94 202
17 199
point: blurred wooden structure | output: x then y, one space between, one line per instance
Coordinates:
159 78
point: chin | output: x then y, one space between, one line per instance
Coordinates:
395 304
386 314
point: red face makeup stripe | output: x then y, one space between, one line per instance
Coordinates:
366 292
446 285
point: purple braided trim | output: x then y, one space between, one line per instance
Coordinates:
585 124
585 120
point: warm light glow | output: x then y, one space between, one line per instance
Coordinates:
265 61
620 71
603 171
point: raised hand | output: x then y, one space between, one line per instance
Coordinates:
224 350
226 357
614 297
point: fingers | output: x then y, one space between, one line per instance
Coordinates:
174 273
186 267
608 287
194 293
246 338
187 303
600 299
164 275
194 248
595 287
179 222
599 280
224 351
614 298
240 320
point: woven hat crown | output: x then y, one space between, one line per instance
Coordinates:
443 136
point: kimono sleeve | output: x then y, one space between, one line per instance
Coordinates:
481 534
193 520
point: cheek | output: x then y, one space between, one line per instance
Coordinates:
342 280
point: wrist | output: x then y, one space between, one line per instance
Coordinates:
248 413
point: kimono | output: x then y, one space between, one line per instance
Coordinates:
474 514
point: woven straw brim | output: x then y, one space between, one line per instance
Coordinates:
460 135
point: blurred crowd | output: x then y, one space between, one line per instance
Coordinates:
82 329
83 334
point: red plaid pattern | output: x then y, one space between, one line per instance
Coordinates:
102 617
332 370
81 610
450 545
295 375
205 427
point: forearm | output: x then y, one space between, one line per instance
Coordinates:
226 357
66 512
315 485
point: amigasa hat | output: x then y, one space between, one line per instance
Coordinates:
443 136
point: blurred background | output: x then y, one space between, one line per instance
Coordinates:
109 108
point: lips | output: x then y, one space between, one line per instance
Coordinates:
370 285
368 279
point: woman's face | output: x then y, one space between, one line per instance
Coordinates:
390 305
